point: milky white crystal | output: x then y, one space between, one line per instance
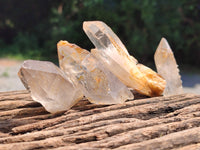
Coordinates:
98 84
49 85
167 67
114 56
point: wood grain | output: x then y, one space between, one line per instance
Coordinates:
144 123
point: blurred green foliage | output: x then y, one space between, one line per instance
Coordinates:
31 28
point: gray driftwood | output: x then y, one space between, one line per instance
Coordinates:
147 123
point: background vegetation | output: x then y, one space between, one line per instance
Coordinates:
31 28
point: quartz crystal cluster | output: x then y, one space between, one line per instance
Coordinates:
106 75
113 54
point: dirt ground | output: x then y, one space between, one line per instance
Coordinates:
9 80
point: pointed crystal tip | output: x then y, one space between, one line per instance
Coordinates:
164 44
167 67
62 43
88 23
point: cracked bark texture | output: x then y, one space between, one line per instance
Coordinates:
144 123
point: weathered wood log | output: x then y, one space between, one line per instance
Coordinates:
144 123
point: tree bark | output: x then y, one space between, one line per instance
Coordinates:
144 123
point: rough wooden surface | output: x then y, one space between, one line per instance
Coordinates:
148 123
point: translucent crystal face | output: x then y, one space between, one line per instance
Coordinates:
114 56
70 56
100 34
49 85
98 84
167 67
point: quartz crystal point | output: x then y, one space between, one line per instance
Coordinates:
49 85
113 54
167 67
98 84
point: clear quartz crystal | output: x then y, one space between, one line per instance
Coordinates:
49 85
167 67
114 56
98 84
